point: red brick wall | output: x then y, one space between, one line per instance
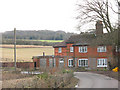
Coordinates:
63 53
18 64
57 62
92 52
37 62
68 50
47 62
77 54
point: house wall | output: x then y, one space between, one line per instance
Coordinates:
68 50
92 52
63 53
37 62
92 55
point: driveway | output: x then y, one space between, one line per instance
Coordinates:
92 80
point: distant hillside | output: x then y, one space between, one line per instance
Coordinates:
37 35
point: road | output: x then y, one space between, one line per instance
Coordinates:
92 80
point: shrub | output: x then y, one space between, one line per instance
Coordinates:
43 76
66 71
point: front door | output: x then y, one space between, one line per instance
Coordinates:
35 65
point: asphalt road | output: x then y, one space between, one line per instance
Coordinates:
92 80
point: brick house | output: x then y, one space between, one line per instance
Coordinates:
82 50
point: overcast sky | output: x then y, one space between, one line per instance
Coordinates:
38 15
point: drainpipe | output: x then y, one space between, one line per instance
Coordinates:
74 55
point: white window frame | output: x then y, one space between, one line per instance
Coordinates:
82 49
70 64
61 60
101 49
102 61
59 50
116 49
71 49
79 62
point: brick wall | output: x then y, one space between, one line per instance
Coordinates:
63 53
18 64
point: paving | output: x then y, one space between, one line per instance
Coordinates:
92 80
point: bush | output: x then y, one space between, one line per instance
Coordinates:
66 71
43 76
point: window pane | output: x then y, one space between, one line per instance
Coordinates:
79 63
83 49
71 49
86 64
71 62
97 62
59 50
105 61
101 49
100 62
82 63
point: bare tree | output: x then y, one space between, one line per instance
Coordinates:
93 10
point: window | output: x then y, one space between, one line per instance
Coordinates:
71 49
59 50
101 49
83 62
70 62
83 49
117 49
102 62
61 60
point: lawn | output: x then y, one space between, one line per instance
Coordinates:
24 54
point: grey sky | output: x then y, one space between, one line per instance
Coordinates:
39 15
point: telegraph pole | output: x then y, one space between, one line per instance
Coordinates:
15 48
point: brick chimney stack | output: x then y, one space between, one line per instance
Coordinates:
99 28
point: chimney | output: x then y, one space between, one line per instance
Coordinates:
43 54
99 28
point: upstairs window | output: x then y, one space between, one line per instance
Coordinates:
102 62
117 49
59 50
101 49
71 49
83 49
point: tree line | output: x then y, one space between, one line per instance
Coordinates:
37 35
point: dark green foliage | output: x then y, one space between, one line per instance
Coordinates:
37 35
43 76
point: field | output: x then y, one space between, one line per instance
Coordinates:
24 52
41 40
50 40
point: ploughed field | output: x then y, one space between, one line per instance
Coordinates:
24 53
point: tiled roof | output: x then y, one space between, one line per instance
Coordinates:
81 39
90 39
61 44
77 40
